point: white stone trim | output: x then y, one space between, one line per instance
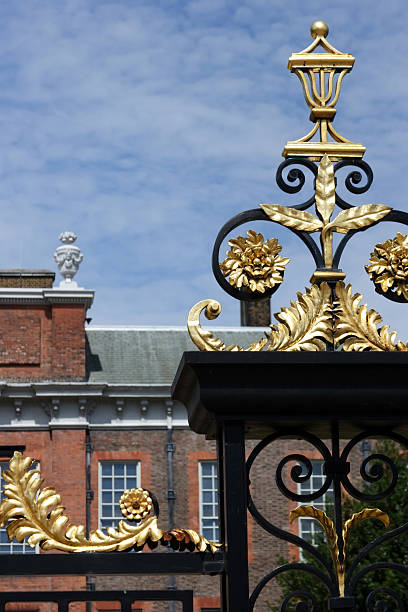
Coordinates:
60 411
12 295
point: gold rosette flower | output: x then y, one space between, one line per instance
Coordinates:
135 504
254 264
388 265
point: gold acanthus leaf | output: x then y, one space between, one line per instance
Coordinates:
36 514
325 189
291 217
355 327
358 517
358 217
325 522
203 338
306 325
331 535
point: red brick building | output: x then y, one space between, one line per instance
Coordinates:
92 405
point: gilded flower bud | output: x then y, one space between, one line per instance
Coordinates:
135 504
388 265
253 264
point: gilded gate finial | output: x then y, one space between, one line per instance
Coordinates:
321 75
328 315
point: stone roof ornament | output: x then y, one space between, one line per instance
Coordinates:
68 258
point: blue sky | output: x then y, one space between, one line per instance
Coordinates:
144 126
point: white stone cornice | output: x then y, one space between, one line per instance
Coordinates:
46 296
82 389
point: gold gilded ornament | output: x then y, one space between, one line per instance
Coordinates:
388 265
331 535
309 324
135 504
254 264
353 218
321 74
35 513
355 327
203 338
306 325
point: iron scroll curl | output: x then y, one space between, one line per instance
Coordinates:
297 476
255 214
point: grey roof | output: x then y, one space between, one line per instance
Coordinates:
147 355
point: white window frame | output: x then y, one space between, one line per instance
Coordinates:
215 516
23 548
310 486
114 520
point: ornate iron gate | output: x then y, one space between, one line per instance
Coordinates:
125 598
321 379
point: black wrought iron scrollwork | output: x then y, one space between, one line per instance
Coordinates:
298 476
295 174
373 469
380 605
289 567
354 178
310 605
369 471
255 214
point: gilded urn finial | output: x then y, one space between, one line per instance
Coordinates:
321 72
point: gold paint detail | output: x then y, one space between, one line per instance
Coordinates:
325 190
204 338
327 275
310 324
253 263
355 327
135 504
331 535
353 218
367 513
388 265
306 325
321 71
36 513
325 522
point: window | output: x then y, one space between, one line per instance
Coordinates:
309 528
208 485
114 478
15 547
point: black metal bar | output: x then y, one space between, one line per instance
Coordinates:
128 597
221 512
63 605
170 449
235 518
109 563
336 474
125 604
89 497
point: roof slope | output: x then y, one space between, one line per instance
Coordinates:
147 355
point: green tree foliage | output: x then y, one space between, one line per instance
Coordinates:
396 550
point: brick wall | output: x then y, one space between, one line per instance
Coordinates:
44 342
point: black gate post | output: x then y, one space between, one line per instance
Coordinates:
233 502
